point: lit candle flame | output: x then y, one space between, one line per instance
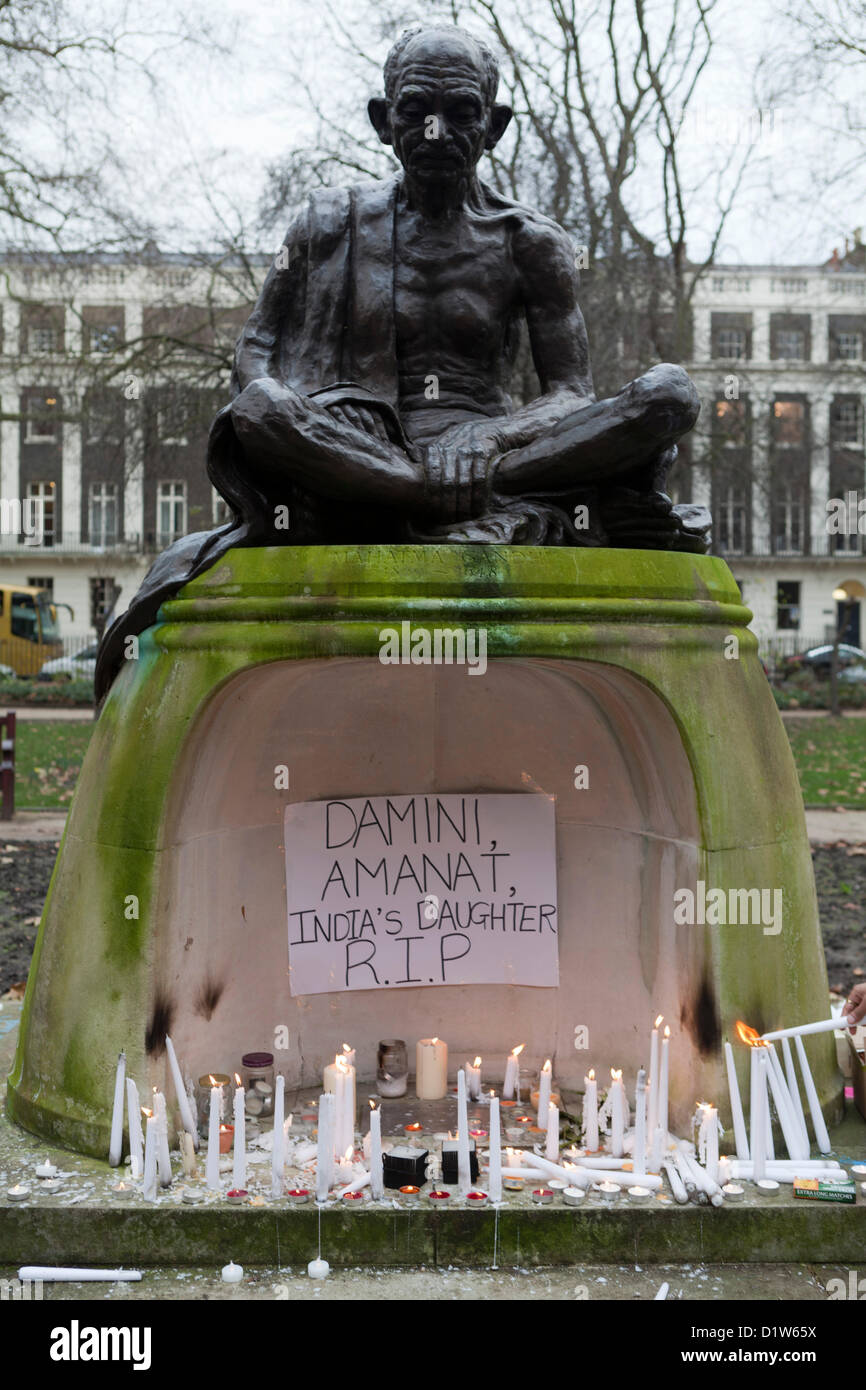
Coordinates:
348 1154
213 1080
658 1020
341 1064
748 1035
546 1066
516 1051
346 1047
477 1062
667 1031
435 1040
147 1113
591 1076
372 1105
237 1079
615 1075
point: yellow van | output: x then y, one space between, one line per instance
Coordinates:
29 630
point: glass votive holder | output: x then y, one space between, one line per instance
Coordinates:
257 1079
202 1099
392 1067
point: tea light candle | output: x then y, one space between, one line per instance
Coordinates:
477 1199
226 1140
353 1196
733 1191
608 1191
414 1130
232 1273
410 1193
542 1195
768 1187
431 1069
437 1196
298 1195
46 1169
191 1197
121 1189
318 1269
18 1193
639 1195
573 1196
478 1134
858 1170
237 1195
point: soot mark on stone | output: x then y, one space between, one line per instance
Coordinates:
706 1025
208 997
159 1025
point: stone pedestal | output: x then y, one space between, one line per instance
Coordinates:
167 910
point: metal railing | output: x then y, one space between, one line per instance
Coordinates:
69 659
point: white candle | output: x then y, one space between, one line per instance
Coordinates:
349 1055
784 1108
339 1078
653 1098
377 1175
115 1145
794 1092
431 1069
464 1173
544 1086
758 1112
739 1123
511 1084
186 1117
822 1138
239 1165
148 1190
212 1168
708 1140
826 1025
325 1147
187 1154
494 1181
664 1074
278 1151
590 1111
617 1112
57 1274
163 1158
678 1188
473 1079
551 1148
136 1143
639 1156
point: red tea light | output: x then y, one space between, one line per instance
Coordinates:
414 1129
410 1192
237 1194
478 1199
523 1119
478 1134
353 1196
542 1195
227 1138
298 1194
439 1196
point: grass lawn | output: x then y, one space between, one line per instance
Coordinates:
48 758
831 759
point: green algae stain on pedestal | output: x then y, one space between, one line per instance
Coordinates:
611 658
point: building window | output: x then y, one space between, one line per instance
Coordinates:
789 521
103 596
172 421
103 417
790 286
102 327
729 427
221 511
789 422
849 347
41 419
846 423
731 513
44 495
42 581
170 513
103 514
731 343
790 345
788 605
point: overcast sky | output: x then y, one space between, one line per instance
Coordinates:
224 112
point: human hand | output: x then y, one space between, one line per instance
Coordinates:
855 1006
459 468
360 417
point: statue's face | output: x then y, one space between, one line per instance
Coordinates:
439 120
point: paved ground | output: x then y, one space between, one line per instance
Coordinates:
33 825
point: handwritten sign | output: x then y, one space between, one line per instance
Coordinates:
394 892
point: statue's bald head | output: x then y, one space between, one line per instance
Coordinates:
439 111
441 44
